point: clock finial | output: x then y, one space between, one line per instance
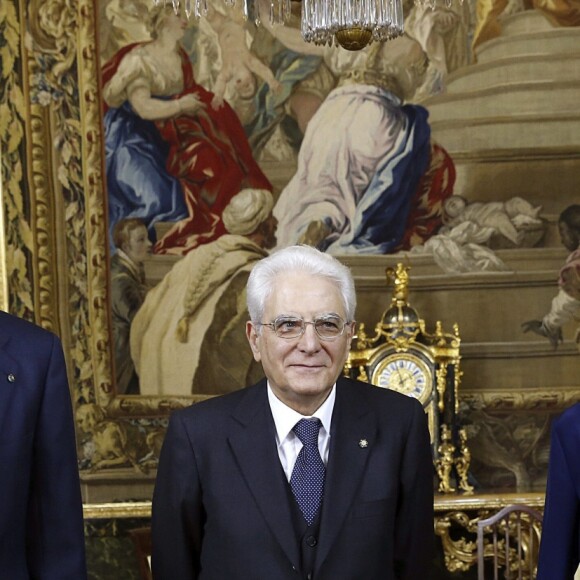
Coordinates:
400 278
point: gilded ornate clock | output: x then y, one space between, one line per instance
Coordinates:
404 357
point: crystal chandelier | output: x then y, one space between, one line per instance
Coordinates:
350 23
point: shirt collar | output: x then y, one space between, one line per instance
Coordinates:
138 270
285 418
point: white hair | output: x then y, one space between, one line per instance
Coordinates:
302 259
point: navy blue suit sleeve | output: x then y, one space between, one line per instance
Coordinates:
55 542
414 536
177 512
559 556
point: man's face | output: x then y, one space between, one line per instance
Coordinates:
138 246
567 237
301 371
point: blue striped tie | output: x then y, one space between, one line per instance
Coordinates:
307 480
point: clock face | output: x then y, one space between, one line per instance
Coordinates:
404 373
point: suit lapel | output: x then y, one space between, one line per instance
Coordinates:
10 383
252 438
353 433
8 364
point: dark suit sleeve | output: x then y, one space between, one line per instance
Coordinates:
559 555
414 535
177 517
55 541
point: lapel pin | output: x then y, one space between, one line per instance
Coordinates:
11 378
363 443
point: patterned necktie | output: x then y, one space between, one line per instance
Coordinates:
307 480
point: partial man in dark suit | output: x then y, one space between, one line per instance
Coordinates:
307 474
560 545
41 518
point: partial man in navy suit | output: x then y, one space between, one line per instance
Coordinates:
307 474
560 544
41 519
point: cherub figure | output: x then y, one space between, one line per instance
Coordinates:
239 65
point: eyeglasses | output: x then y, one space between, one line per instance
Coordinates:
327 327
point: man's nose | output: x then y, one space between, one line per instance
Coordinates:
309 341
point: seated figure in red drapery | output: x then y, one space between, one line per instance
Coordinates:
171 156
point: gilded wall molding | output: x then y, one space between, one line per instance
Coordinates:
43 218
113 510
147 406
95 218
555 399
64 214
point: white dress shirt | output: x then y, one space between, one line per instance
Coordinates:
287 442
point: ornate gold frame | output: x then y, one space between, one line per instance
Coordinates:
54 257
113 510
96 227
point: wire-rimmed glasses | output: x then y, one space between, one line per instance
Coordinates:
327 327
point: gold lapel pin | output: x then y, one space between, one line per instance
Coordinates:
363 443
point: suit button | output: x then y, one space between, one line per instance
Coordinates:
311 541
309 577
11 378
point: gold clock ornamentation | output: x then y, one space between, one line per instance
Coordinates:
406 374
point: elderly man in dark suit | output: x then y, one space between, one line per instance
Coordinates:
41 519
306 474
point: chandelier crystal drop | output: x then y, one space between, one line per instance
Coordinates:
279 10
351 24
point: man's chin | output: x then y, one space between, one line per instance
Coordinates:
307 375
312 382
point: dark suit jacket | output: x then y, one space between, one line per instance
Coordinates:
560 545
221 508
41 525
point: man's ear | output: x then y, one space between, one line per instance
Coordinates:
352 328
253 338
351 331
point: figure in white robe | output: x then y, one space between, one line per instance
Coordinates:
363 153
189 335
